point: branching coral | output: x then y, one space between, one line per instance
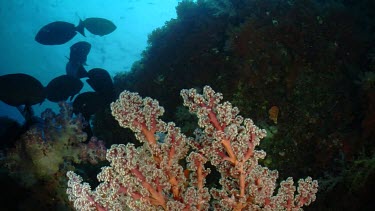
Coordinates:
151 177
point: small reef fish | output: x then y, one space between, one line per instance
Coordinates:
59 32
99 26
273 113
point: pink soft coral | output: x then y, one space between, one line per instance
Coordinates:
151 177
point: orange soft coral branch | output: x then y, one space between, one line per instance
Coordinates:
172 179
214 121
96 204
157 197
150 137
200 180
149 134
250 151
228 148
225 142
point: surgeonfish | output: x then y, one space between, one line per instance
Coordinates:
101 82
99 26
88 103
77 59
79 52
58 32
21 89
63 87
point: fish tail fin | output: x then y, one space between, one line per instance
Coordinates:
81 28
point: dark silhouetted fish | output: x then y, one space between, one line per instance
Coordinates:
101 82
79 52
99 26
63 87
78 58
21 89
59 32
88 103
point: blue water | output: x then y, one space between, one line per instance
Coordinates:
116 52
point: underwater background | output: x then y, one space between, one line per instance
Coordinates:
21 21
303 70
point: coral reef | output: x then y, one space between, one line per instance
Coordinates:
313 60
151 177
47 150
